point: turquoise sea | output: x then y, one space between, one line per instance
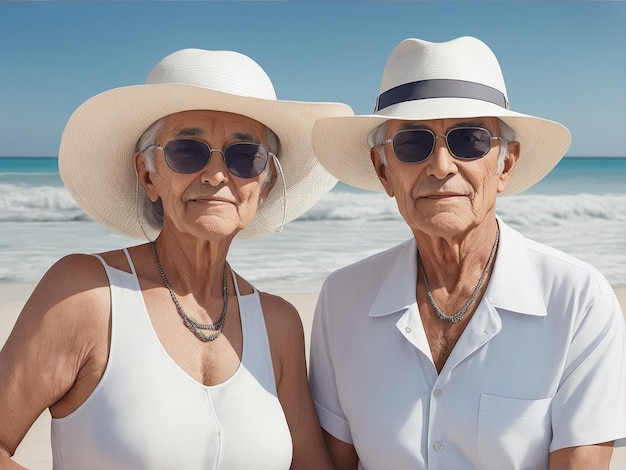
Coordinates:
579 208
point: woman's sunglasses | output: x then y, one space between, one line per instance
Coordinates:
243 159
464 143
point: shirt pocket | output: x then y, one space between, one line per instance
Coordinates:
513 433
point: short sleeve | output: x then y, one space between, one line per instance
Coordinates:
590 405
322 374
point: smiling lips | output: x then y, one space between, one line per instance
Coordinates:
435 190
441 195
208 198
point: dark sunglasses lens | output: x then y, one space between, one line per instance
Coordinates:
246 160
413 146
469 143
186 156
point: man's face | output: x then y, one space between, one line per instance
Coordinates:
443 195
212 202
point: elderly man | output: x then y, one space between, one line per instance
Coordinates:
468 346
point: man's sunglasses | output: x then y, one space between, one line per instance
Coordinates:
243 159
464 143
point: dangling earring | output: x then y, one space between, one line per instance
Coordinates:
137 209
282 177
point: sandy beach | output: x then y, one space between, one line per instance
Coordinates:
34 451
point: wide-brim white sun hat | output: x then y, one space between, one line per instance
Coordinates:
96 155
423 81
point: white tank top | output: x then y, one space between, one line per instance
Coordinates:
147 413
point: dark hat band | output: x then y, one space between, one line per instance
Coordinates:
440 88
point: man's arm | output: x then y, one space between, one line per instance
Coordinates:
594 457
588 408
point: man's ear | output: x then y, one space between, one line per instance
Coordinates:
144 177
381 170
509 165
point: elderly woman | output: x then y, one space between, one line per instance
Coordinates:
159 355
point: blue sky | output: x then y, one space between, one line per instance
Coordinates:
564 61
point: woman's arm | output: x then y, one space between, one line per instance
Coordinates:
53 340
288 354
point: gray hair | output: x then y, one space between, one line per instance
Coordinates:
146 145
507 135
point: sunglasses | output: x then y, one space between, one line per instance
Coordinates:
243 159
464 143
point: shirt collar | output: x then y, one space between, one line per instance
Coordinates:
513 285
397 291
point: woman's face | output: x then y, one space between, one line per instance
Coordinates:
211 203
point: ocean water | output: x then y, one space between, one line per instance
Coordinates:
579 208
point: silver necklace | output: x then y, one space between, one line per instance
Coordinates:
461 313
194 325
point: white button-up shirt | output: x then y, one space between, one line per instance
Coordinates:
540 365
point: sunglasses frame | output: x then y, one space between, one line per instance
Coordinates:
445 136
270 155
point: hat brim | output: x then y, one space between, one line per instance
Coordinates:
96 153
341 143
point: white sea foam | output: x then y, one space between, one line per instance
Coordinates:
22 203
42 223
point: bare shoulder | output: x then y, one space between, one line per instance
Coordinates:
281 317
74 280
72 297
63 329
280 314
284 329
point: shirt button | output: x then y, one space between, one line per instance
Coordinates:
407 329
437 446
437 393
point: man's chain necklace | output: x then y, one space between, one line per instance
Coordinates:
461 313
194 325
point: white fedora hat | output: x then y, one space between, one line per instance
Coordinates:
423 81
97 146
